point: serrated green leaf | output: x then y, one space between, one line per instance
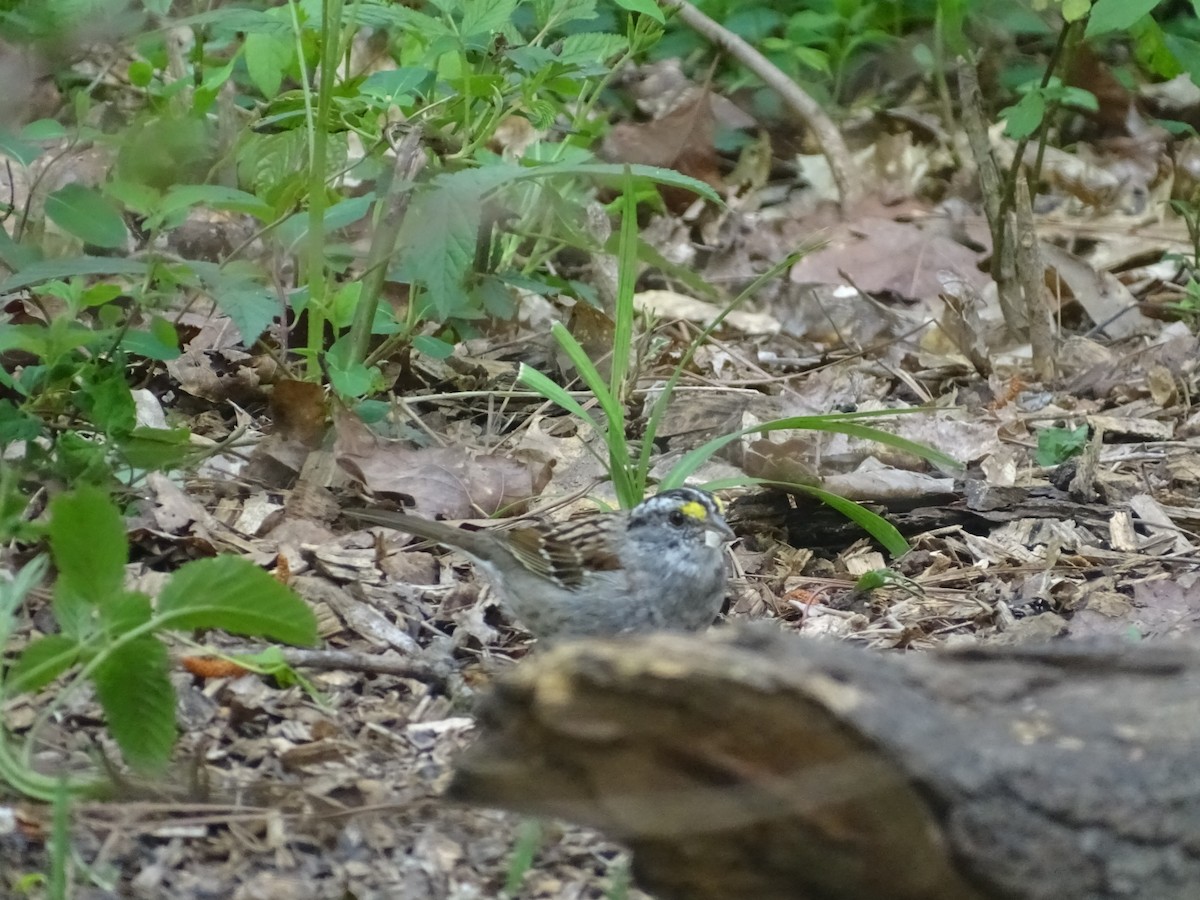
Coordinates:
235 595
84 213
251 308
1057 445
591 48
483 17
41 662
87 539
126 612
109 402
133 686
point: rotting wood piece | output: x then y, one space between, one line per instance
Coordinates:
754 764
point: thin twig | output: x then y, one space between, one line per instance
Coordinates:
827 136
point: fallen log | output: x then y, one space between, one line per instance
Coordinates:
757 765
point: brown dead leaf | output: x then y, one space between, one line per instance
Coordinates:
681 140
441 482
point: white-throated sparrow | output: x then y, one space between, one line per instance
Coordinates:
658 566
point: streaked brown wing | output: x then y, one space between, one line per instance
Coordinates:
564 551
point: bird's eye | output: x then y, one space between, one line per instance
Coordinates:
677 517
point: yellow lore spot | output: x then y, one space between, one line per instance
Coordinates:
696 510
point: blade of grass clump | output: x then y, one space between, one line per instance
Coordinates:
626 282
658 410
840 423
873 524
620 467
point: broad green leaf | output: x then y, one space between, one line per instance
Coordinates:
87 538
156 448
1187 53
350 380
214 196
43 130
393 83
432 347
84 213
1116 15
41 662
134 689
22 151
126 612
1074 10
17 256
268 56
251 307
591 48
235 595
45 270
1023 119
645 7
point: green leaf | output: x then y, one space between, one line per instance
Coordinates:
393 83
592 48
68 268
485 17
1023 119
87 539
268 56
16 424
214 196
1116 15
432 347
645 7
156 448
133 687
1186 53
251 308
84 213
41 662
235 595
1057 445
125 613
109 402
151 344
22 151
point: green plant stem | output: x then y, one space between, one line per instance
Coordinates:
1008 198
102 645
315 274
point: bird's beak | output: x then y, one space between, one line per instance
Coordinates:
718 533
